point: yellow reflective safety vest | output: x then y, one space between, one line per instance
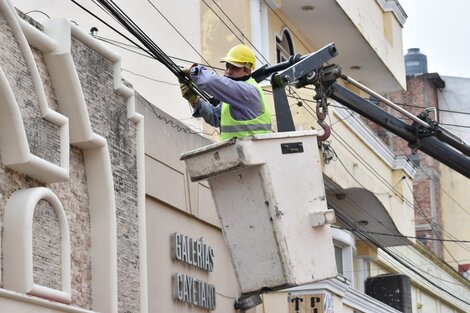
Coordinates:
230 128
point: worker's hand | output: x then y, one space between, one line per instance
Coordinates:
189 94
186 89
187 74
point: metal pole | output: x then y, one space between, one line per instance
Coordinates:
384 100
430 145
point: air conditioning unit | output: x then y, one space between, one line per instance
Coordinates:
391 289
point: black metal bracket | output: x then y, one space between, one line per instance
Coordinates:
298 70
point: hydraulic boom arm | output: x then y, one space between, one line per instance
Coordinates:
422 134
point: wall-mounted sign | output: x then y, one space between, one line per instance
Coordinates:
186 288
192 251
194 291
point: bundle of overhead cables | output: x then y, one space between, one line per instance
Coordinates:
150 47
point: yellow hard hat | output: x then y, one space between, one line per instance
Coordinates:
241 56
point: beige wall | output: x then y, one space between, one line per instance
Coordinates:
176 205
455 213
383 32
162 222
216 38
369 171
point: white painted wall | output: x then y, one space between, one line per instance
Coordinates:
183 14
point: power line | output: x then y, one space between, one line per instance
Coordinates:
381 178
131 48
411 267
295 35
455 125
392 188
173 124
436 182
107 24
437 108
179 33
412 237
234 24
377 175
150 78
299 97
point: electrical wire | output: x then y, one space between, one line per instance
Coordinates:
438 109
392 187
149 78
107 24
179 33
428 176
402 256
431 222
295 35
412 237
132 48
126 22
437 183
38 11
236 26
411 267
72 0
422 238
175 125
377 175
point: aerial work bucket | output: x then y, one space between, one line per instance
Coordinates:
270 198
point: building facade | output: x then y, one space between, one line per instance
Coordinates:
98 213
438 190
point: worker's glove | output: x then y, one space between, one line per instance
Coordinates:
186 89
189 94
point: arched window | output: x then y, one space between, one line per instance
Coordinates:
18 247
284 46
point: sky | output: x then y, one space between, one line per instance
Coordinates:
440 30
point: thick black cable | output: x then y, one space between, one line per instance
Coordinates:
219 18
131 48
135 30
107 24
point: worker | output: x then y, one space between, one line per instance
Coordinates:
242 109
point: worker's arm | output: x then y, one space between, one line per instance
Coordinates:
210 113
244 99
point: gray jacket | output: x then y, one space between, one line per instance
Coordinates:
243 98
